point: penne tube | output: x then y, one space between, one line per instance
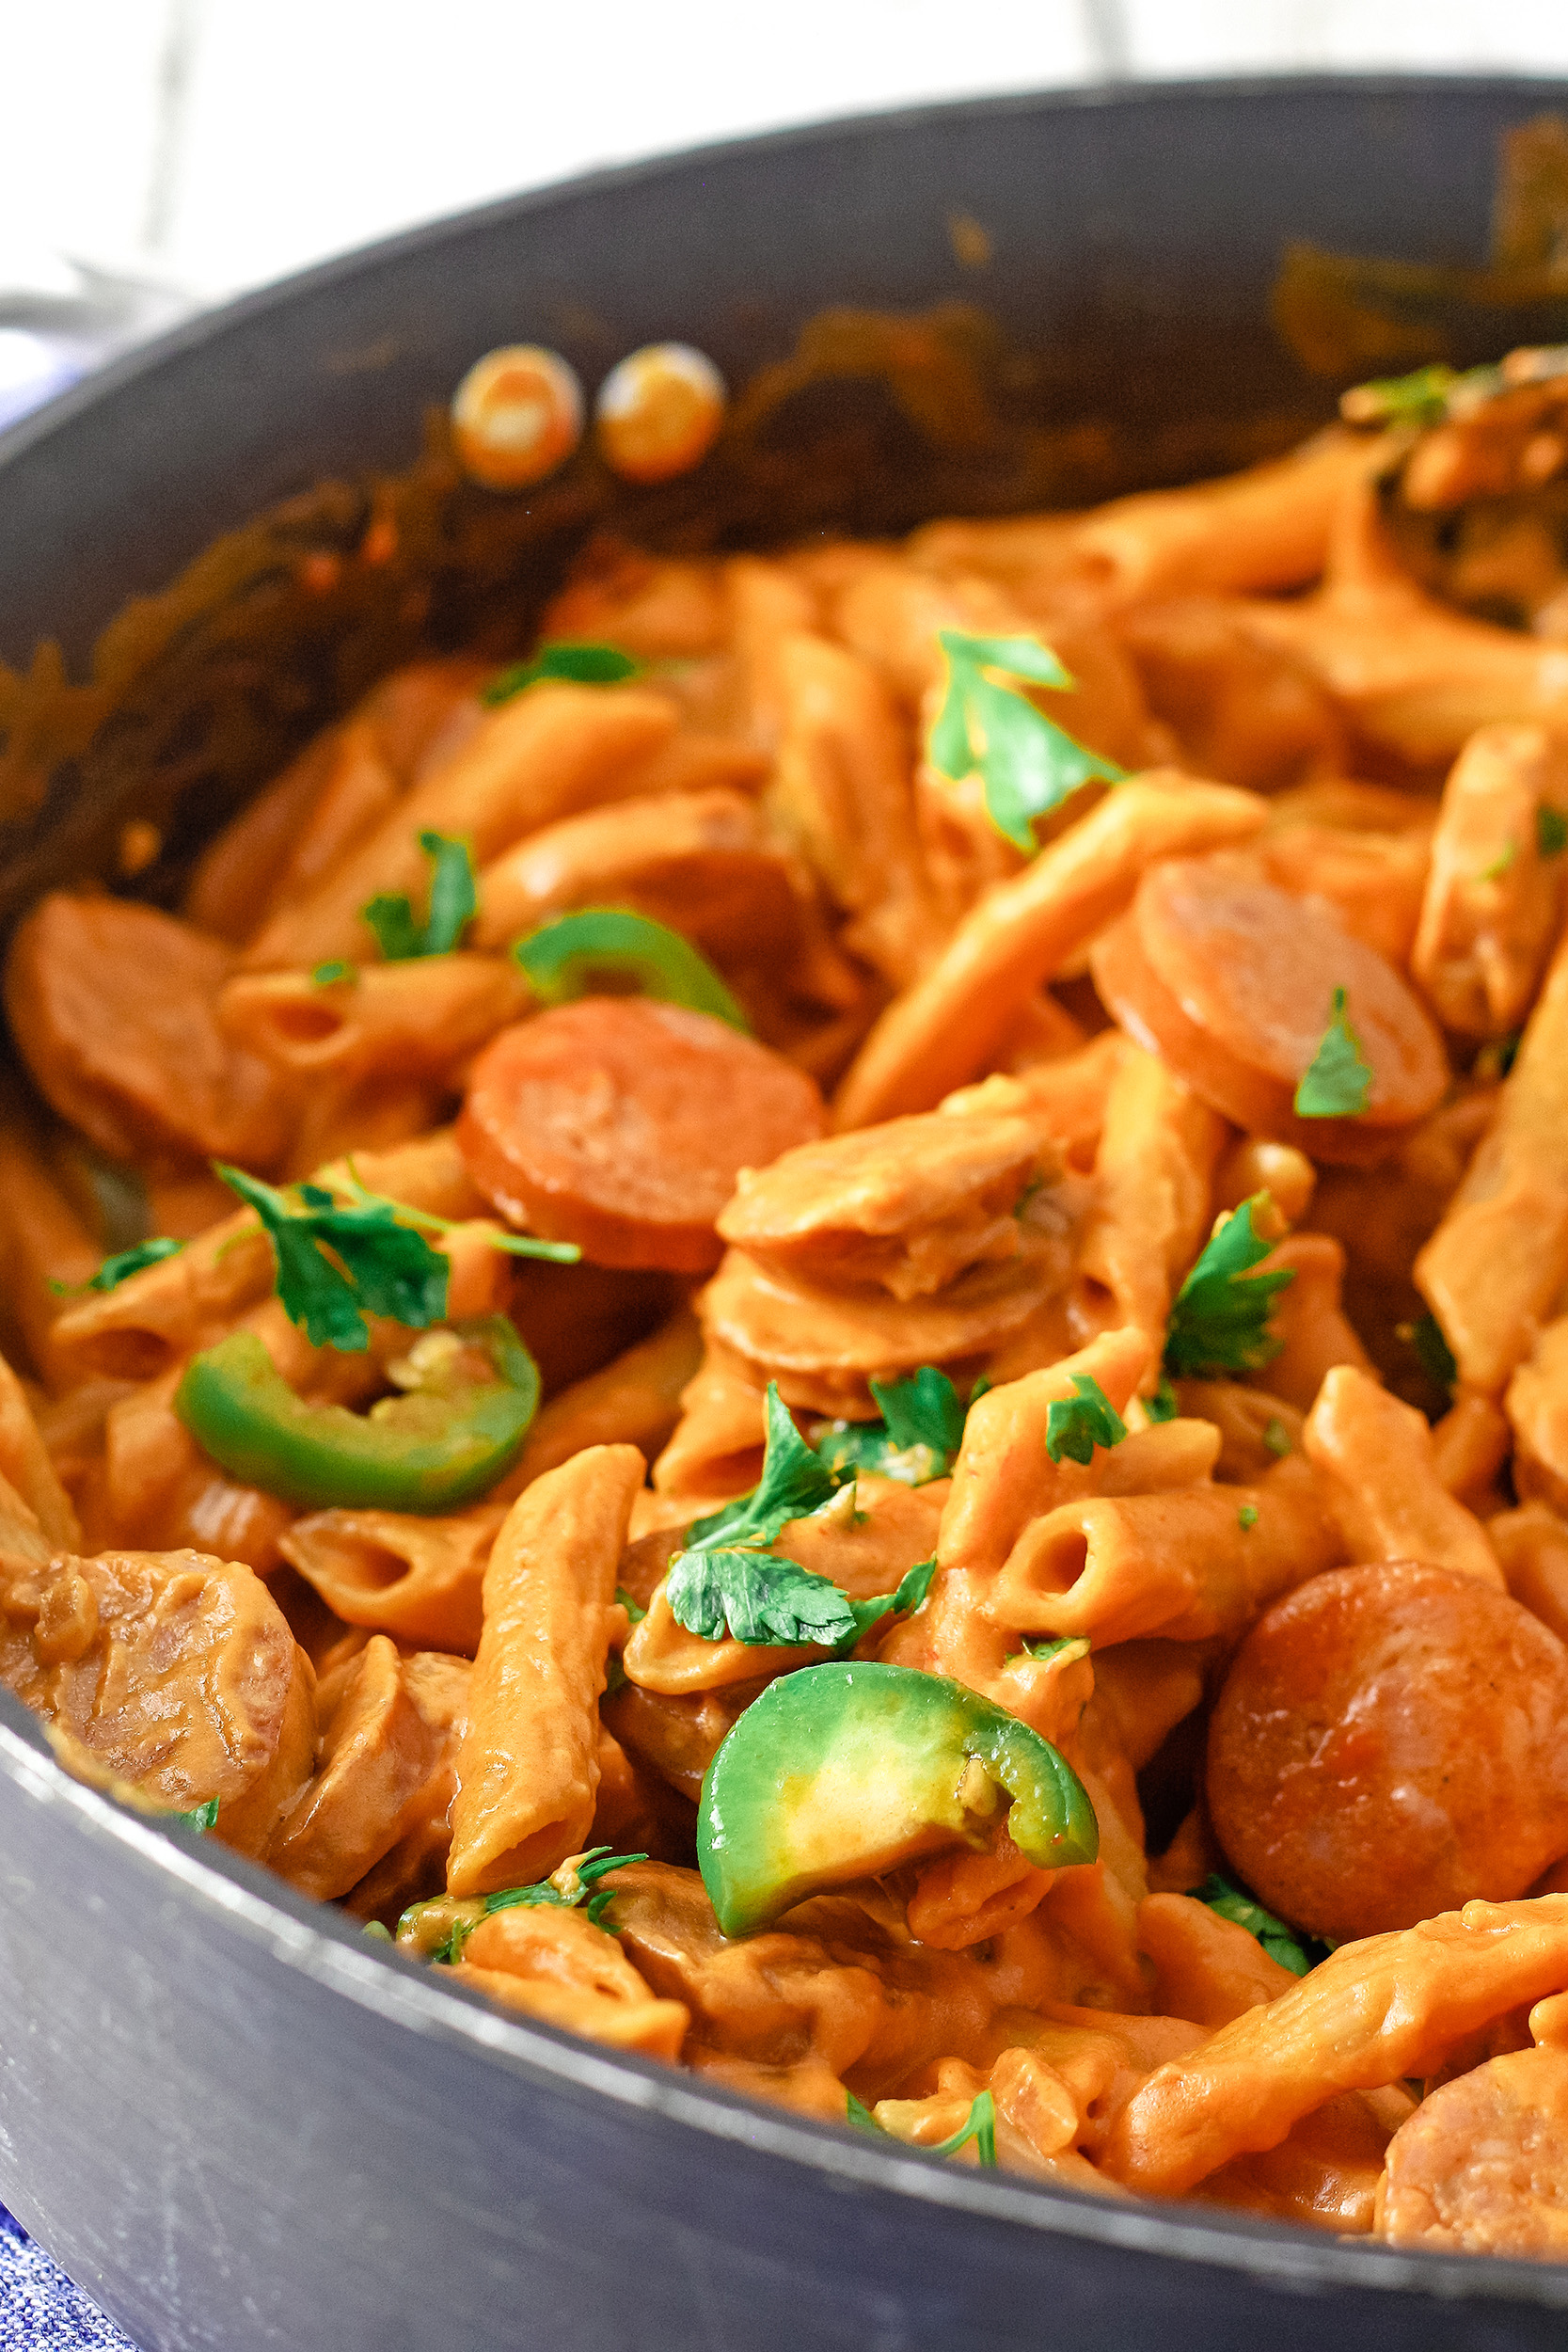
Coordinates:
634 1401
551 750
1186 1566
26 1466
529 1768
1206 1969
1265 528
416 1020
1493 1270
940 1032
358 791
1150 1211
694 760
768 605
1414 678
842 793
1377 1470
1537 1408
1256 1428
698 862
1470 1447
1306 1318
416 1577
1492 904
155 1318
1532 1544
46 1244
1148 1688
716 1447
1373 2013
236 873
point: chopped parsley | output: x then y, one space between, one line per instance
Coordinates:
1276 1438
328 974
1054 1646
795 1482
580 662
1165 1404
1551 831
1420 398
120 1267
200 1818
335 1265
917 1437
454 901
979 2125
1220 1320
1246 1518
1433 1352
575 1882
1336 1082
634 1610
1076 1424
1501 865
1029 764
758 1598
1299 1954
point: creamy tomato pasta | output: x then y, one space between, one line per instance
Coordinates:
826 1334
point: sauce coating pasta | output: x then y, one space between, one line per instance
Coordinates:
1007 1092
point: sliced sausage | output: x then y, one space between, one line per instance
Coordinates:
621 1126
1232 983
1479 2167
1388 1747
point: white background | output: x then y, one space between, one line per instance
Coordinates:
220 142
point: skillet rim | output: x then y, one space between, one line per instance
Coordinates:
317 1941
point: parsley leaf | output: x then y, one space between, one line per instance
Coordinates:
120 1267
1220 1323
1551 831
582 662
1299 1954
1336 1082
1165 1404
576 1882
979 2125
510 1245
1075 1426
633 1608
1420 398
916 1440
1029 764
454 901
794 1483
1435 1354
328 974
756 1598
200 1818
1276 1438
1501 864
377 1266
1053 1646
1246 1518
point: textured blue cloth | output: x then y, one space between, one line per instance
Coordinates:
38 2306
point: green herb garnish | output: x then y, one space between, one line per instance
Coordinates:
1299 1954
633 1608
1336 1082
1220 1322
454 900
377 1933
1433 1352
1277 1438
200 1818
1053 1646
917 1437
980 2126
328 974
756 1598
581 663
1501 864
1246 1518
795 1482
573 1884
1165 1404
120 1267
1551 831
1075 1426
1029 764
1420 398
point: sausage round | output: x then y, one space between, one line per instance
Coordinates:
621 1124
1389 1745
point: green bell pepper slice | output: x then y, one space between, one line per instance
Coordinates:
843 1770
446 1441
560 959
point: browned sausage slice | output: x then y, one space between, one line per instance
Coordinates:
1389 1745
621 1126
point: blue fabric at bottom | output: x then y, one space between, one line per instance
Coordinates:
39 2309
